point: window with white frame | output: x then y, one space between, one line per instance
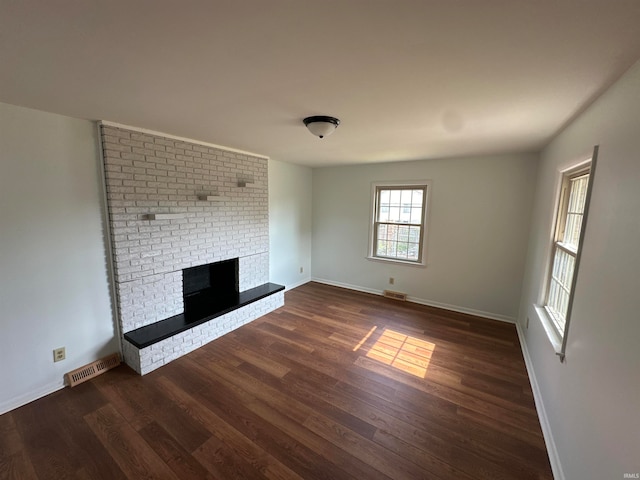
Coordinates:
399 222
565 249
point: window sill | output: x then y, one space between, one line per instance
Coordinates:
552 334
394 260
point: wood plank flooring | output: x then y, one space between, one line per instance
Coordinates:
334 385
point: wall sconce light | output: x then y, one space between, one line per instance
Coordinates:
321 125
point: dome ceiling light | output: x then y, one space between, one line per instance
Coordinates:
321 125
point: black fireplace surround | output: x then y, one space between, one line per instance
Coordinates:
208 291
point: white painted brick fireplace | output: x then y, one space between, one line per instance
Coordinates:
150 175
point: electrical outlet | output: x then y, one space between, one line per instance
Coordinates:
392 280
301 269
59 354
526 323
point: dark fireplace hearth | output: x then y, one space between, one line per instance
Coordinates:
209 289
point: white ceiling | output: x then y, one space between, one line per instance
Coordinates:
408 79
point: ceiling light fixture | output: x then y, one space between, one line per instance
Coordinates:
321 126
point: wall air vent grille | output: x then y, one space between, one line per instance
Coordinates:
94 369
395 295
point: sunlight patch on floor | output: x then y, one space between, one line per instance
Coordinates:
364 339
404 352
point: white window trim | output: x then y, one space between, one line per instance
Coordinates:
425 221
558 339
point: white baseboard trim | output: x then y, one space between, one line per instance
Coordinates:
554 458
346 285
421 301
470 311
297 284
29 397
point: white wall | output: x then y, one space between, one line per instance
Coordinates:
479 224
289 223
592 401
54 288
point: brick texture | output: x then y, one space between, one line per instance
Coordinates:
150 358
150 174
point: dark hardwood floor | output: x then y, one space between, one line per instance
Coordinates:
335 385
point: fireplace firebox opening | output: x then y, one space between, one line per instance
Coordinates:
209 289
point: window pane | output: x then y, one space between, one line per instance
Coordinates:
396 209
578 194
402 249
398 241
394 214
384 197
560 285
392 231
382 231
575 210
405 197
403 233
383 214
414 234
400 205
381 248
416 198
414 250
416 215
572 229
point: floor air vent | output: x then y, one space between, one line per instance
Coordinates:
94 369
395 295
